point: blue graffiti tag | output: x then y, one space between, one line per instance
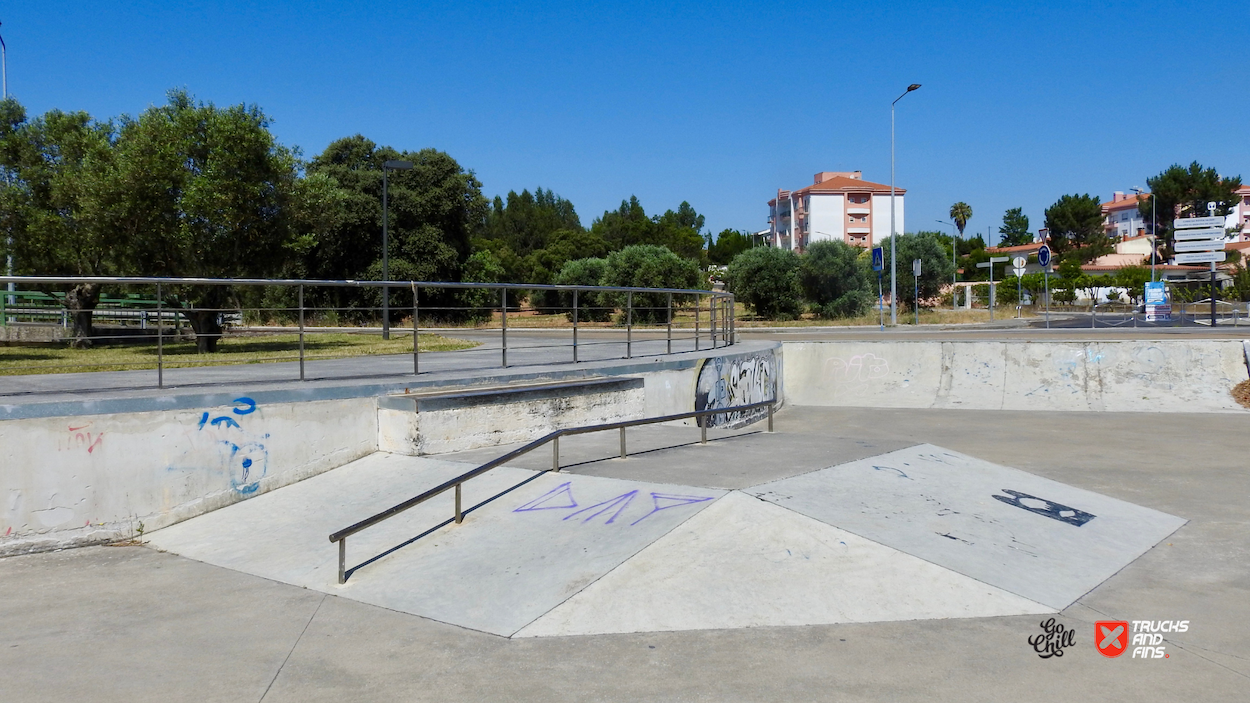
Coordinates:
245 401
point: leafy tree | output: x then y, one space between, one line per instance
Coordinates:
1015 228
1185 192
728 244
960 213
935 268
526 222
481 267
679 231
835 278
1076 225
54 165
767 280
433 209
202 191
649 266
1133 280
591 306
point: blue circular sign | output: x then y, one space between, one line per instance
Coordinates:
1043 256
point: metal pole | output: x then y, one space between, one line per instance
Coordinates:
670 323
386 271
1213 295
991 289
416 314
770 418
703 429
711 316
555 454
342 560
160 339
574 327
459 514
1046 279
629 325
4 80
504 329
916 300
696 322
622 442
880 303
301 332
893 234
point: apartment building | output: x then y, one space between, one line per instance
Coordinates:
1239 218
1123 220
839 205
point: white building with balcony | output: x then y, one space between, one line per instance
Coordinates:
839 205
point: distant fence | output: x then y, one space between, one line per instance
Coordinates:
151 328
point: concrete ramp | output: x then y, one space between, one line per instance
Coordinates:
913 534
1119 376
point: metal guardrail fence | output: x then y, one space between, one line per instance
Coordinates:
155 312
553 437
1229 314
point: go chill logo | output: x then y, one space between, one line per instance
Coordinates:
1112 637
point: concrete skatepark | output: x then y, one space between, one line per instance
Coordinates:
902 533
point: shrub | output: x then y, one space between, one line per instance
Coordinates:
649 266
835 279
585 272
767 280
482 267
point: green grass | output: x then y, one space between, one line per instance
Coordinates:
234 349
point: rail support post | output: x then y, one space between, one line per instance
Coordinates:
770 418
555 455
503 305
703 430
160 340
343 561
459 514
629 325
574 327
622 442
416 313
670 323
301 332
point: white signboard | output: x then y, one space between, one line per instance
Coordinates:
1019 262
1018 270
1183 234
1199 245
1191 222
1205 257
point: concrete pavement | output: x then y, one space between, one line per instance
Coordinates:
128 623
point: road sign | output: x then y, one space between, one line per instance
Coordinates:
878 259
1183 234
1043 256
1018 270
1019 262
1199 245
1191 222
1206 257
1156 293
915 267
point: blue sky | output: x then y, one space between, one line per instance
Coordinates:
718 104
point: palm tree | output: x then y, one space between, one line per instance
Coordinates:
961 212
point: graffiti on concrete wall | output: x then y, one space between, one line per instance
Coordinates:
607 511
728 381
223 445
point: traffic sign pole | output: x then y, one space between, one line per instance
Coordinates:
1043 258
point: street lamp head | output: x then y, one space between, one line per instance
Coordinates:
912 87
396 165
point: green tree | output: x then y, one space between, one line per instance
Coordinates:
680 230
1184 192
480 303
1015 228
649 266
526 222
1133 280
835 278
433 209
960 213
766 279
1076 225
728 244
591 305
935 269
54 166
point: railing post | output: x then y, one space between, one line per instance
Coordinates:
301 331
416 314
703 429
160 339
622 442
574 327
629 325
504 330
343 561
555 454
670 323
711 317
733 320
770 418
459 514
696 322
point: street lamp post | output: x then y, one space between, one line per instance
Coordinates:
390 165
954 260
893 232
1154 235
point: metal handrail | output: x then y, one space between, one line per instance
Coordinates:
342 535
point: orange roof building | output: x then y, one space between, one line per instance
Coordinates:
839 205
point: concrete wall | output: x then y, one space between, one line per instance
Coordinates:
93 478
416 425
1127 376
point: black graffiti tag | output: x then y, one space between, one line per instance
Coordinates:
1050 509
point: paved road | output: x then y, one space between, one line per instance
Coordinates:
131 624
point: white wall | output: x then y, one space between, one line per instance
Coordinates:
881 217
93 478
828 217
